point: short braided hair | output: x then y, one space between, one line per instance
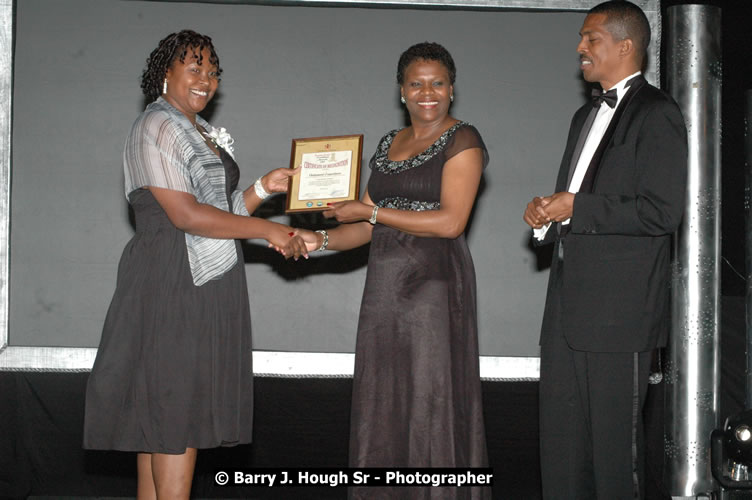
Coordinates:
426 51
172 47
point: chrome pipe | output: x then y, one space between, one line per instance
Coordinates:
748 234
693 78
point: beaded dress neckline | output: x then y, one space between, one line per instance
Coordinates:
383 164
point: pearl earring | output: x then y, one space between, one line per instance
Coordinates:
451 98
402 100
164 86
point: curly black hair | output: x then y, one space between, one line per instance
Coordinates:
426 51
172 47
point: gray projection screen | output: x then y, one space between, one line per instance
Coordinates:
291 70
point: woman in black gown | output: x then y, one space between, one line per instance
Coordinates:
416 395
173 370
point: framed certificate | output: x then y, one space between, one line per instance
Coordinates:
330 172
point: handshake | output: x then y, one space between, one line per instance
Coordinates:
296 242
299 242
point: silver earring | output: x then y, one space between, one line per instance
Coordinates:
402 100
451 98
164 86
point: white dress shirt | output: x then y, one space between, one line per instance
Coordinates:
597 131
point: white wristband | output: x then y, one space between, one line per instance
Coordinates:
260 191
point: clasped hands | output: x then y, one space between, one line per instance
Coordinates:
544 209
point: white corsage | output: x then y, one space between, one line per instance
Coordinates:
222 139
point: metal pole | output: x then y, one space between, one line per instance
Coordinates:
693 78
748 216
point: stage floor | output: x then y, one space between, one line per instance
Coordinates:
298 423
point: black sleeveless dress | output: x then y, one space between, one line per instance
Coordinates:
173 368
417 395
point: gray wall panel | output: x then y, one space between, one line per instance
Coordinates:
289 72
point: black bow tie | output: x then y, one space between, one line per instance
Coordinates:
609 98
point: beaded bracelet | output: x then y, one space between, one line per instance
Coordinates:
324 243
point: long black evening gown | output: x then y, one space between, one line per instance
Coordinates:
417 395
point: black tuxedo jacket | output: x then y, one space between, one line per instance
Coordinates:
615 276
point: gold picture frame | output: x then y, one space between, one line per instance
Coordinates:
330 172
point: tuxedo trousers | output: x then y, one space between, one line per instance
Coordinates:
591 427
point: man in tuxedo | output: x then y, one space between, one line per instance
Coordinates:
619 197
